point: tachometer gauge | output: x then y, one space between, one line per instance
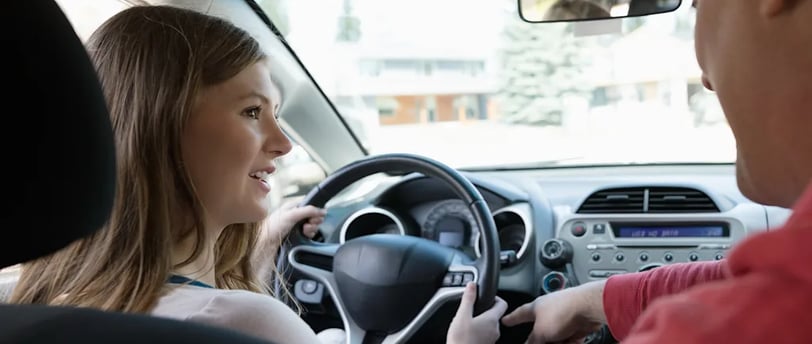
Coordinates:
452 224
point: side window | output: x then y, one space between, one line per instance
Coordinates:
297 173
87 15
8 278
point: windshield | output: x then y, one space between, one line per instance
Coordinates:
469 83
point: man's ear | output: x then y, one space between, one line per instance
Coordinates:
772 8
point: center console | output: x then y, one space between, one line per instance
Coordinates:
594 247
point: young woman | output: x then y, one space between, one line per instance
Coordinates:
195 118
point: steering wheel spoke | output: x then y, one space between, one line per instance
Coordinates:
447 292
311 259
460 272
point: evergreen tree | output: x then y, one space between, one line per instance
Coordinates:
542 64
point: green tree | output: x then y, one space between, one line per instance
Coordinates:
349 26
542 64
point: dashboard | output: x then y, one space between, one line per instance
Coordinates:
447 221
560 227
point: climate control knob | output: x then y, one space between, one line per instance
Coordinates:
554 281
555 253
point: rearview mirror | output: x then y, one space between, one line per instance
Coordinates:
541 11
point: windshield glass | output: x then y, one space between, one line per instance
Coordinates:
469 83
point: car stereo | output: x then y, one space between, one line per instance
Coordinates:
590 248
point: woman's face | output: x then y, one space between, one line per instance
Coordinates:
229 145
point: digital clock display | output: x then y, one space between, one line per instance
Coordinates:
671 231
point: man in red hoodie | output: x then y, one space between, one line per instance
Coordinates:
756 55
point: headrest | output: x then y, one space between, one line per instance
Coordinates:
56 141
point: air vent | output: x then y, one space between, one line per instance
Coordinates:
679 200
631 200
659 200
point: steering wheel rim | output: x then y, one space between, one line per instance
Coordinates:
486 266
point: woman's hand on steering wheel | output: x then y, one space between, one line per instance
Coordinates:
482 329
277 227
282 221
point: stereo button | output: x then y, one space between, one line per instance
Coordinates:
553 281
578 229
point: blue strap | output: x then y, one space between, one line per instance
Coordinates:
178 279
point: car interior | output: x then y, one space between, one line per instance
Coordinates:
528 203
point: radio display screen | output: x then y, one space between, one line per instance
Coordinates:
707 230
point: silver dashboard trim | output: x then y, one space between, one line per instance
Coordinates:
365 211
524 212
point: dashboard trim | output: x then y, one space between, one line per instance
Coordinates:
522 210
365 211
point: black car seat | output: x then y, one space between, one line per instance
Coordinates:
57 154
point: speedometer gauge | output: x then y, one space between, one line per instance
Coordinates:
452 224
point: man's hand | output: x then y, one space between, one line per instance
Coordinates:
565 316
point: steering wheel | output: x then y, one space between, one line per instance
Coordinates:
386 286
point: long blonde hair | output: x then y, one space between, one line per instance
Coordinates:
153 62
